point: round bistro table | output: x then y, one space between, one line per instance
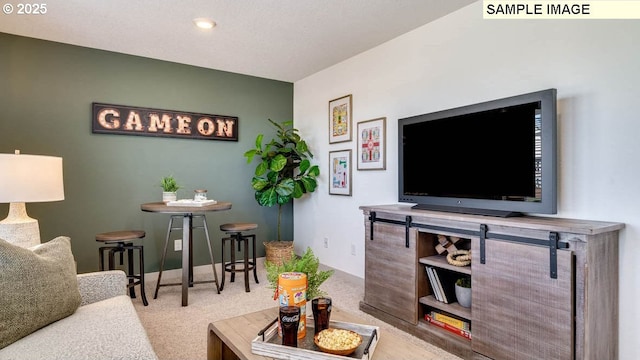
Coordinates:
187 213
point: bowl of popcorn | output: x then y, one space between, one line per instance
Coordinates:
337 341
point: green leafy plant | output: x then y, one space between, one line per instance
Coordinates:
464 282
284 171
169 184
308 264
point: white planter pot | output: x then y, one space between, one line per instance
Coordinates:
463 295
169 196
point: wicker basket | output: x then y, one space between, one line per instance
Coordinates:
278 251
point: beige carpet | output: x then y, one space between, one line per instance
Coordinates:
180 333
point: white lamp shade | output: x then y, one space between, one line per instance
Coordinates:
30 178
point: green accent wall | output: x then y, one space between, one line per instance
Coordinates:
46 91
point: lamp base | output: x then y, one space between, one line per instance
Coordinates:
18 228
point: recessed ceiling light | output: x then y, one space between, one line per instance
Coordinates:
204 23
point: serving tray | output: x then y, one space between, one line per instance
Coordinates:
268 343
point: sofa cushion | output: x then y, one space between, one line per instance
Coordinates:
107 330
37 287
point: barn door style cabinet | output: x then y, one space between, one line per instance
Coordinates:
542 287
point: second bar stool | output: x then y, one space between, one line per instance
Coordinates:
119 242
234 230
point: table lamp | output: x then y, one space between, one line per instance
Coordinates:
23 179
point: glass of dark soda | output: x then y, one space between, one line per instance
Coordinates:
289 319
321 308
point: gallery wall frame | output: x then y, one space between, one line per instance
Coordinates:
340 115
340 172
372 144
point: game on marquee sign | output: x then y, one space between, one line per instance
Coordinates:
128 120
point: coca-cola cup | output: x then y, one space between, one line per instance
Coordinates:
289 320
321 313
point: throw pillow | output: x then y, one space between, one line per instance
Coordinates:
37 287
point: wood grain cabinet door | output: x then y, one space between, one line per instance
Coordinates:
390 271
518 310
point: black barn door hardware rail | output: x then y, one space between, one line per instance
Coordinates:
484 234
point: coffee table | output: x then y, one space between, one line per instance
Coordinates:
231 338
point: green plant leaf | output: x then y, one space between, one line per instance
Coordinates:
285 187
259 141
314 171
268 197
262 168
304 165
250 154
310 184
298 190
258 183
278 163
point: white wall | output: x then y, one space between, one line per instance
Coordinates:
463 59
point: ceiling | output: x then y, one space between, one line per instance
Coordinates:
285 40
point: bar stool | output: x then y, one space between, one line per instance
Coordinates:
119 242
166 243
235 235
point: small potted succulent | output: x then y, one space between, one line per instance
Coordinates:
463 291
169 188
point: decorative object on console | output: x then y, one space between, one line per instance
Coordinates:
283 173
463 291
27 178
446 244
340 172
372 144
340 115
170 188
459 257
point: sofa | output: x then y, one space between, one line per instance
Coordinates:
103 324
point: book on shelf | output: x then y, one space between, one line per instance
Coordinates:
443 293
432 282
443 283
452 329
455 322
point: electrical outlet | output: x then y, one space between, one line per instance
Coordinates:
177 245
326 242
353 249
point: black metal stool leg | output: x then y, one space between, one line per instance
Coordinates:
101 256
255 271
224 265
132 292
246 263
141 261
233 258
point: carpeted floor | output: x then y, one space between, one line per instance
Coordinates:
180 333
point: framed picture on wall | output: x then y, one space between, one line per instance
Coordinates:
372 144
340 172
340 119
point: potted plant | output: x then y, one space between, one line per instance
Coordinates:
169 188
308 264
463 291
284 172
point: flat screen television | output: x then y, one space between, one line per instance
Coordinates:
494 158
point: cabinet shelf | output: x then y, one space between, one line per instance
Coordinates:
441 262
453 308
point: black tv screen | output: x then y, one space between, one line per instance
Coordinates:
493 158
